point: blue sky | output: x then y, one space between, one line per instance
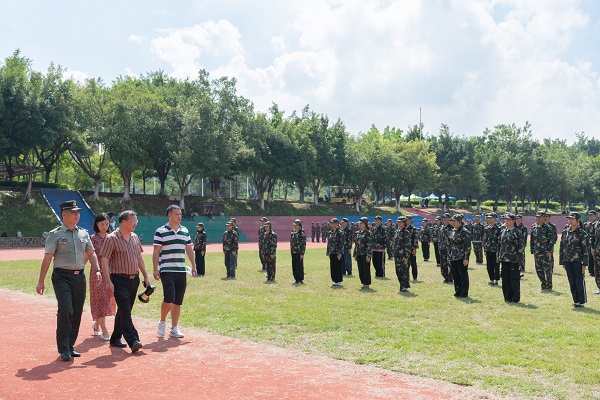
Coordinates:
468 64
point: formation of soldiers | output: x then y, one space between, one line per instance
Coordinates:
501 243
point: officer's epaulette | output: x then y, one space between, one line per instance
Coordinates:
80 228
55 229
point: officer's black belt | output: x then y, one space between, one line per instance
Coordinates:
69 271
127 276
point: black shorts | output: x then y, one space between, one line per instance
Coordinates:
174 284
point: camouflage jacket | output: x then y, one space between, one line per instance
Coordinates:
268 244
590 228
390 232
347 238
541 239
401 245
230 241
510 246
414 236
573 246
444 234
313 230
261 231
426 234
491 234
379 238
335 242
435 233
459 244
200 241
298 242
524 232
555 231
324 229
477 232
363 243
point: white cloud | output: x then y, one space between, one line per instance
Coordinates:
137 39
76 76
470 64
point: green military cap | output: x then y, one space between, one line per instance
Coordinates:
335 220
409 217
509 216
592 212
364 220
267 223
263 219
379 217
297 222
69 205
519 216
228 223
574 214
344 219
200 224
401 218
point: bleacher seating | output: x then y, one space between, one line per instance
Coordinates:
56 196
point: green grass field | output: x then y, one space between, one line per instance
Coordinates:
542 348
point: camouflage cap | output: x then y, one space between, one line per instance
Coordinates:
297 222
228 223
477 217
519 216
345 220
409 217
233 219
263 219
335 221
200 224
457 217
574 214
446 215
491 215
438 218
267 223
509 216
401 218
540 214
379 217
389 220
364 220
592 212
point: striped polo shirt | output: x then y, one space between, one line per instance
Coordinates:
122 254
172 252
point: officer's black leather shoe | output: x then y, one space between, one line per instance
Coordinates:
136 346
75 354
119 344
65 356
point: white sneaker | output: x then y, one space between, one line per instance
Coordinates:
175 332
162 326
597 292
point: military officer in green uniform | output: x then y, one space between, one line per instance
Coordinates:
68 245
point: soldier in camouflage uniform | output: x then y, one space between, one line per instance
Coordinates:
477 239
261 231
402 250
491 233
269 251
435 234
379 245
555 236
444 232
425 236
390 231
524 234
230 248
347 259
542 247
510 253
363 252
318 232
596 253
590 228
324 231
414 240
335 251
459 251
313 232
574 257
297 248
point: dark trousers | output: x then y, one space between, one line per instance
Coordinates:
511 282
347 262
591 263
445 269
576 281
262 260
378 257
69 290
493 268
460 273
230 263
125 294
200 265
413 266
297 267
425 248
335 267
436 250
364 269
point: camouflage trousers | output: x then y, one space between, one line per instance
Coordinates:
478 250
544 268
270 265
402 273
597 271
445 267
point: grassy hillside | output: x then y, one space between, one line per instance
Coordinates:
31 217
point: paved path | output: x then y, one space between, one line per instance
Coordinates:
200 366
